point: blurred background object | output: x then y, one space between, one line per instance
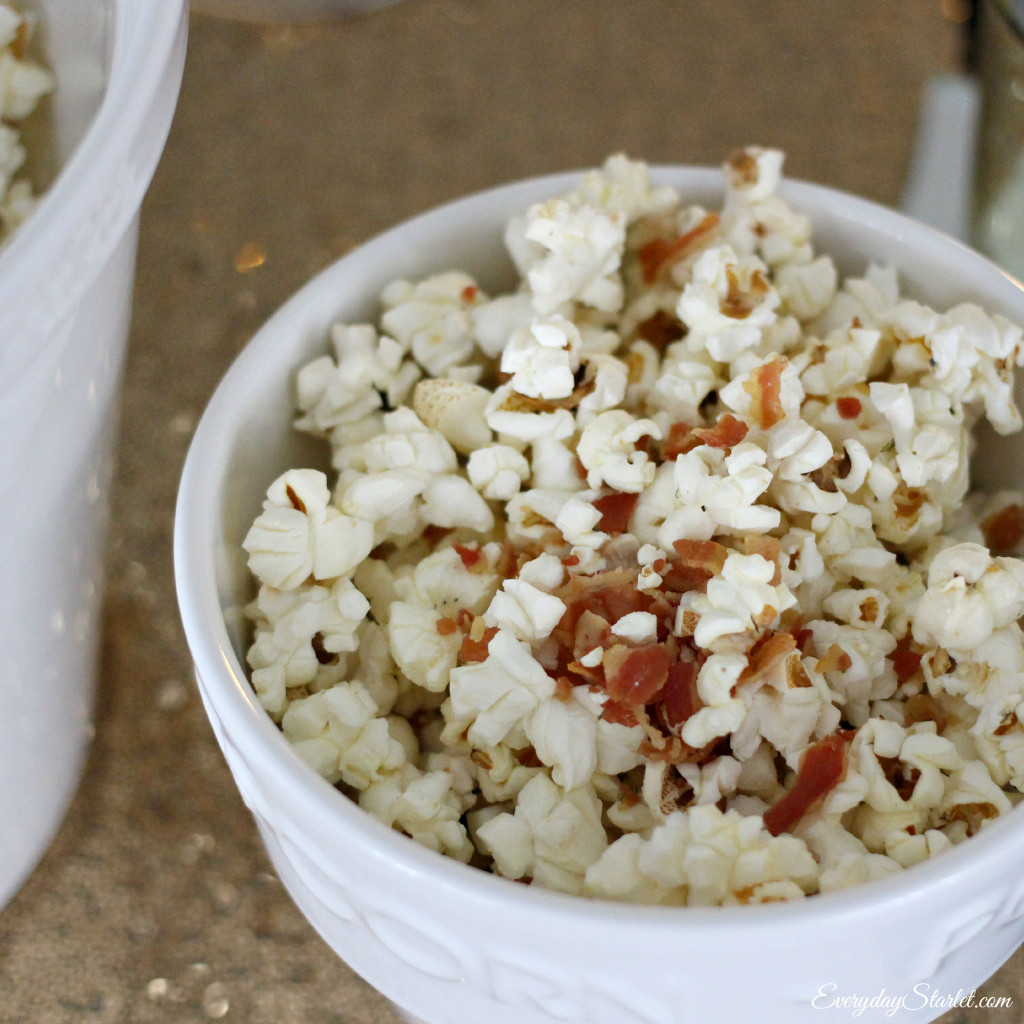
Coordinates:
997 60
66 280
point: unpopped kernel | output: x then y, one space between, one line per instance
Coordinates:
656 579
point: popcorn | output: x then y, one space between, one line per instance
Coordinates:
706 857
419 649
431 319
23 85
423 806
572 253
497 471
553 836
969 595
300 535
654 580
527 612
740 600
564 735
543 358
455 408
607 449
496 694
716 491
297 632
340 733
727 305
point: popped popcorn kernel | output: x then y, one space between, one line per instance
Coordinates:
657 578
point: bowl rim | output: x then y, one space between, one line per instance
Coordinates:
224 681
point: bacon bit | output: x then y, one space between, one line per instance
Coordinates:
661 252
446 626
707 554
469 293
593 675
661 329
726 433
680 439
581 592
564 687
591 631
848 407
297 502
766 653
636 675
617 713
476 649
822 765
679 698
905 662
470 556
765 389
835 660
923 707
323 656
615 509
699 560
1004 530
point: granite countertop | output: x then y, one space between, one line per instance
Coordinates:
291 144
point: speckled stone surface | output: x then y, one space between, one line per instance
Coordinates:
292 144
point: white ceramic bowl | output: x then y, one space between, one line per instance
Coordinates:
65 300
451 944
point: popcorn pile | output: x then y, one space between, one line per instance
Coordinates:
657 579
23 83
